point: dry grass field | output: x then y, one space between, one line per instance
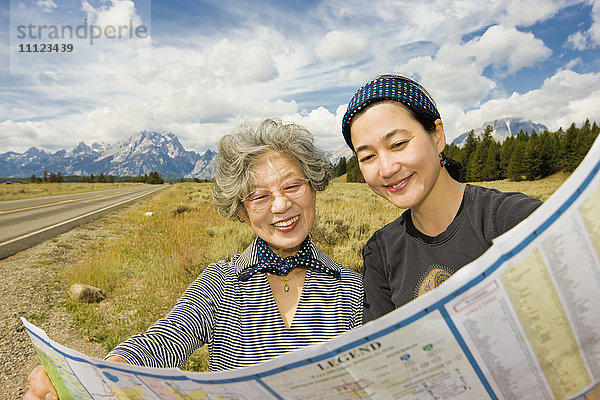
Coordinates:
148 261
16 191
540 189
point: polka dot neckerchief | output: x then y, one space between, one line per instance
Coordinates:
273 264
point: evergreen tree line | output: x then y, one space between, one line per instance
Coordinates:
153 178
48 177
99 179
520 157
349 167
523 157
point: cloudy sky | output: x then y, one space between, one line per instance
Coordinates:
200 68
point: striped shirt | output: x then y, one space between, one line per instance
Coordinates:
240 321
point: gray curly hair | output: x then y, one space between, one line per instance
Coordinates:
240 151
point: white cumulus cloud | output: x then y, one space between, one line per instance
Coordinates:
20 136
578 40
240 62
528 12
324 125
564 98
455 74
590 38
507 47
338 45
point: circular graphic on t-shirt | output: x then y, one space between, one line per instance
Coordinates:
432 278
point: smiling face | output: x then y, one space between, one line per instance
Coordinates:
285 223
398 158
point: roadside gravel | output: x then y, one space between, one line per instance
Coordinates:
31 286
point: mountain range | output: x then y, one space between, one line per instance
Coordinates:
148 151
503 128
142 153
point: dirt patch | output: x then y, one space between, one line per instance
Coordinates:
31 286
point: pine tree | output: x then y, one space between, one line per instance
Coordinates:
467 150
476 164
560 133
340 168
532 157
584 134
586 138
516 165
570 149
550 153
453 151
353 173
154 178
506 151
491 170
478 158
593 134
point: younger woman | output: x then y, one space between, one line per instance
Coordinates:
394 127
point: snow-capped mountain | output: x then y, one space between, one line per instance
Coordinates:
142 153
23 165
334 156
145 152
503 128
205 166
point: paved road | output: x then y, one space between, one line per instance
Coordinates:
25 223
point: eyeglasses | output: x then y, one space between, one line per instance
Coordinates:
262 198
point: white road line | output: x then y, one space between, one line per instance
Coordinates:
76 218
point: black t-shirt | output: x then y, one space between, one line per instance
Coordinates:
401 263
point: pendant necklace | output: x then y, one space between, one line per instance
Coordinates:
286 287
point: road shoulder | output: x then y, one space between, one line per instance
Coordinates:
31 286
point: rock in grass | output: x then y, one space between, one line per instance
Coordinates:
85 293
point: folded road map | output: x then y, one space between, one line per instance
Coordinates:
520 322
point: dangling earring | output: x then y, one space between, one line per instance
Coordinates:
442 160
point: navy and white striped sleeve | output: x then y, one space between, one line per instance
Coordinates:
170 341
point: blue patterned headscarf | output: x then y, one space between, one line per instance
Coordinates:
406 91
389 87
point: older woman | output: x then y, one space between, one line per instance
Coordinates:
281 293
